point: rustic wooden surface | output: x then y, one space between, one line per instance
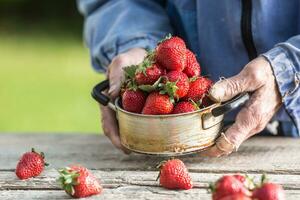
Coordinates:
133 176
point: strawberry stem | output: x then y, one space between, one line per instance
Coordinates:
68 179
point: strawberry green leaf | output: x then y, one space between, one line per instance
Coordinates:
169 88
168 36
150 88
196 106
130 71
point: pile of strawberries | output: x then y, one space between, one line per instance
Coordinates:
174 175
168 81
79 182
76 180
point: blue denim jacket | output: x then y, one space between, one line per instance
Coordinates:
212 29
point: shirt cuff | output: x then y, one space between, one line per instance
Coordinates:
288 80
102 59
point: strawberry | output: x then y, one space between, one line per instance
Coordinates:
148 74
133 100
236 196
174 175
192 67
268 191
181 81
198 88
228 185
78 182
31 164
157 104
184 107
171 53
177 84
240 177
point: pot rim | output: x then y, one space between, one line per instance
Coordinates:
203 110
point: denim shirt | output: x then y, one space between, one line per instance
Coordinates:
212 29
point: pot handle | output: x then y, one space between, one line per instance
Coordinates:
97 94
230 105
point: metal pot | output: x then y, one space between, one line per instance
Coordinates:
168 135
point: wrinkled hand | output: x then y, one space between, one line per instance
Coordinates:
256 77
115 75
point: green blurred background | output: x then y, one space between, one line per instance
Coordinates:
45 73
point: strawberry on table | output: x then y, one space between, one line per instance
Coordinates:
268 191
171 53
157 104
192 66
31 164
133 100
237 196
174 175
198 88
228 185
78 182
185 107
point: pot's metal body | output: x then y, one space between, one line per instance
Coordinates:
168 134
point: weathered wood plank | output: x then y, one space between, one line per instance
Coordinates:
115 179
123 192
260 154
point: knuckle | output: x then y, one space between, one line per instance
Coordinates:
259 127
119 60
233 87
257 75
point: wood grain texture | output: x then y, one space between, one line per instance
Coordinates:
115 179
123 192
260 154
133 177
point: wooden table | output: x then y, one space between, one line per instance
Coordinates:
133 177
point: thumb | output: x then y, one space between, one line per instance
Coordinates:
226 89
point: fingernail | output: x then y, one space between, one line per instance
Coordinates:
216 93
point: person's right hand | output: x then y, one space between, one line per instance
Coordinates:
115 75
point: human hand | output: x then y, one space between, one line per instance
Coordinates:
256 77
116 76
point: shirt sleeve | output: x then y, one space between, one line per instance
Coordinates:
114 26
285 61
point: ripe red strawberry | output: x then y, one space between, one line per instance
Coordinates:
184 107
192 66
269 191
174 175
177 84
78 182
171 53
133 100
31 164
237 196
228 185
240 177
198 88
157 104
147 75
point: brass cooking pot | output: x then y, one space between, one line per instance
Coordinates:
168 135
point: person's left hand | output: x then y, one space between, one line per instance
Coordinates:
256 77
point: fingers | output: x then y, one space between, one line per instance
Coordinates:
249 79
222 147
110 128
115 69
248 121
257 76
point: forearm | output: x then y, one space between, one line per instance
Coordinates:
114 27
